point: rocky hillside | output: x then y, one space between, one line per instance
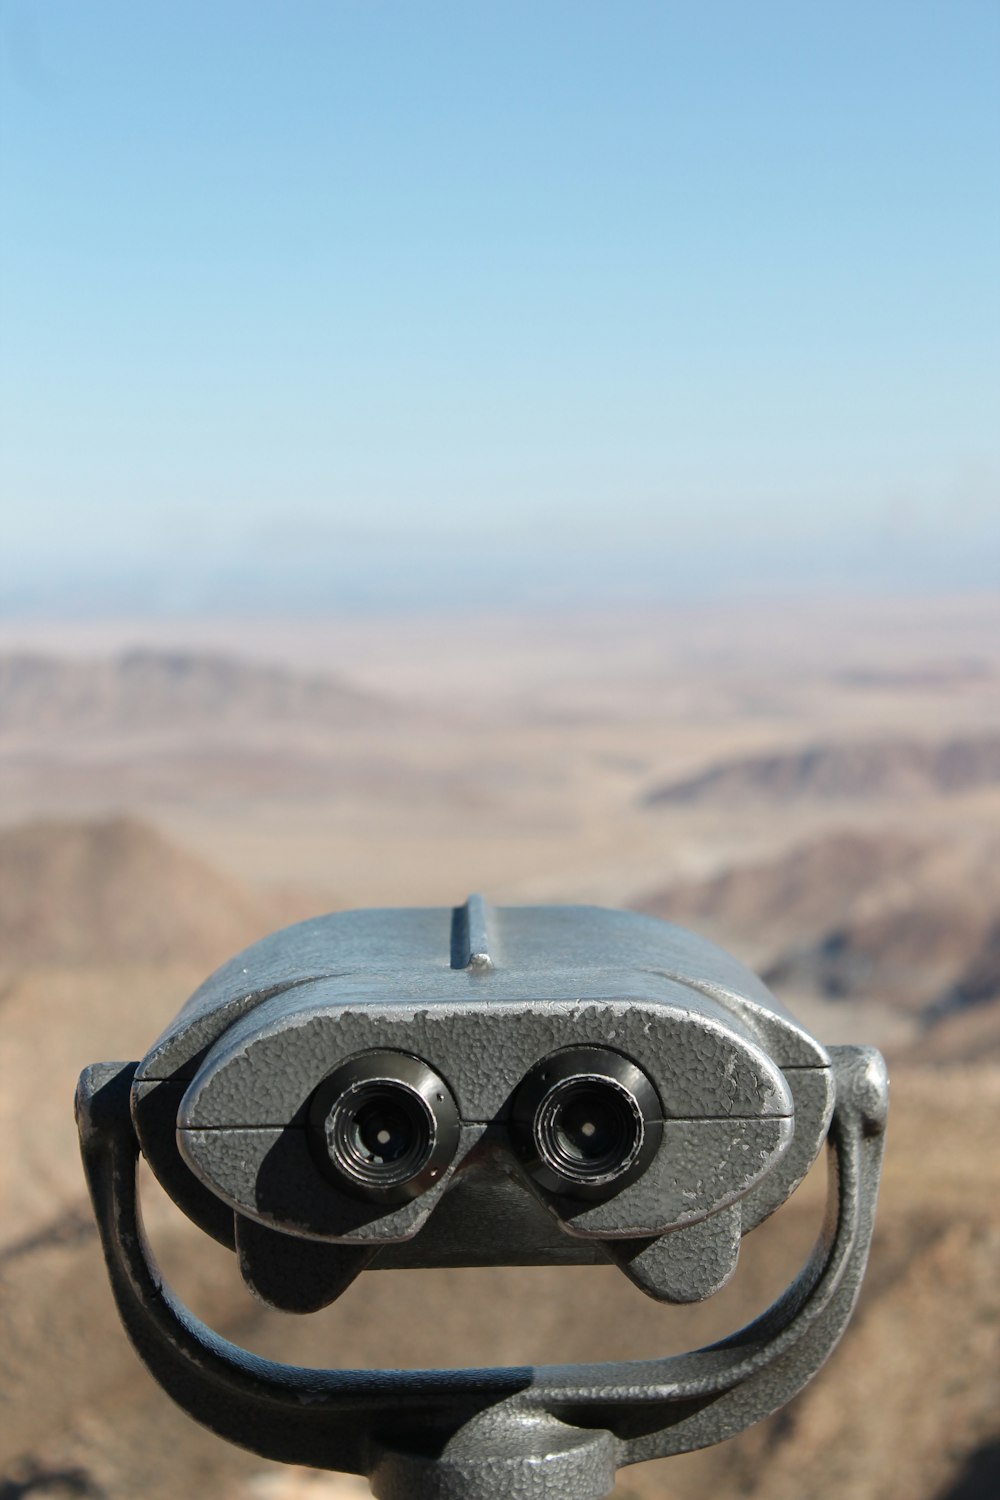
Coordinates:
928 953
144 690
115 891
884 767
800 891
873 917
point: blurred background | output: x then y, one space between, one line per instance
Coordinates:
547 449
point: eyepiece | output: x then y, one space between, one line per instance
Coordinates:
380 1133
385 1125
589 1129
585 1121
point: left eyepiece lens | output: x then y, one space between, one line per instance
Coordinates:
380 1133
385 1124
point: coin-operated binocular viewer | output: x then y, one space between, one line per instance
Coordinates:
479 1086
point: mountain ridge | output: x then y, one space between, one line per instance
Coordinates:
142 689
830 770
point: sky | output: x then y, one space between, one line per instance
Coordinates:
364 303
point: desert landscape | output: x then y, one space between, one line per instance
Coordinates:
814 784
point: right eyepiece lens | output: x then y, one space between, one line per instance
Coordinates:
589 1129
585 1121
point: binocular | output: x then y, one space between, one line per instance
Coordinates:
485 1086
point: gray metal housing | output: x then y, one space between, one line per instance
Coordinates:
220 1108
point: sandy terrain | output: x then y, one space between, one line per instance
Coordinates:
156 815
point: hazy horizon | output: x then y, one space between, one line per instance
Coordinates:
441 576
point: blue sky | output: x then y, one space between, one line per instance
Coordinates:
359 303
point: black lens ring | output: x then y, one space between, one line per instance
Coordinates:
589 1108
414 1108
565 1093
380 1112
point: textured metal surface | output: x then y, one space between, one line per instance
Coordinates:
482 995
483 998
